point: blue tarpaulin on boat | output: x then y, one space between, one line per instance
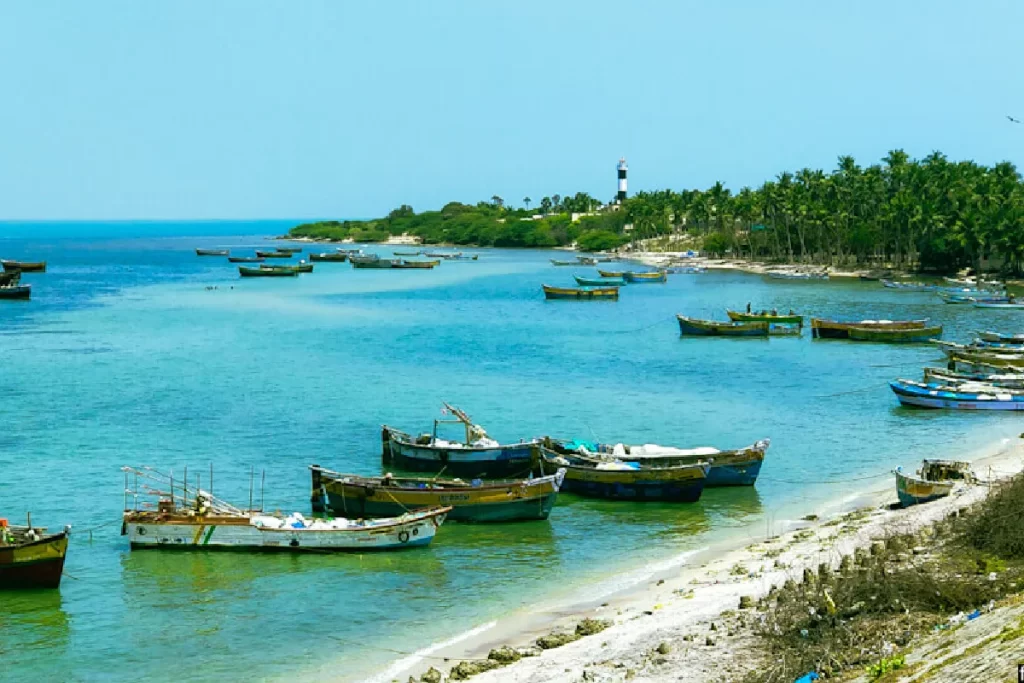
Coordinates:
575 445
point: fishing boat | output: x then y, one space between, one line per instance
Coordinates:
895 336
556 262
795 275
602 293
26 266
822 328
330 256
408 253
714 328
267 272
945 377
191 518
245 259
443 254
656 276
372 261
738 467
611 273
30 558
963 397
936 479
475 501
463 257
16 292
619 480
289 250
909 286
586 260
765 316
992 357
212 252
685 270
300 267
10 279
477 455
599 281
421 265
999 304
1000 338
955 298
274 254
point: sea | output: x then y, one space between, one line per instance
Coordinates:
133 351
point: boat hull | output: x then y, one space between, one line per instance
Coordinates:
910 336
927 397
663 491
39 564
24 266
914 491
267 272
581 293
738 316
16 292
494 463
600 281
710 328
834 329
638 278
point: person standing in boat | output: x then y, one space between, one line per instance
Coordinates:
748 307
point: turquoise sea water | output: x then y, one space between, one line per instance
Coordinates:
124 357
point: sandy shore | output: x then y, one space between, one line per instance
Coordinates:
674 622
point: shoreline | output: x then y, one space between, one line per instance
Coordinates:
669 600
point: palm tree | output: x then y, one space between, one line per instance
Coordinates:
497 201
526 201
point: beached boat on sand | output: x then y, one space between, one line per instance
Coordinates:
936 479
471 501
193 519
30 558
822 328
584 293
25 266
619 480
713 328
477 455
738 467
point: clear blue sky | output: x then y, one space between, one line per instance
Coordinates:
250 108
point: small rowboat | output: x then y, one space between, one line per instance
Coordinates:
936 479
212 252
977 397
416 265
16 292
992 357
30 558
998 304
289 250
657 276
11 278
837 329
611 273
443 254
26 266
895 336
245 259
1003 338
301 267
408 253
603 293
331 257
795 275
713 328
586 260
476 501
618 480
267 272
274 254
784 319
555 262
462 257
685 270
909 286
599 281
951 378
372 261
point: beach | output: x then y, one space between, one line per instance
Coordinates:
680 621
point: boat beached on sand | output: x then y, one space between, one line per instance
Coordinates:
471 501
189 518
30 557
477 455
936 479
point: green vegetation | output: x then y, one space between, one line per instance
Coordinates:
932 214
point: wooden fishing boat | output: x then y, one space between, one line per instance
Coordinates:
765 316
619 480
586 260
477 455
795 275
245 259
300 267
602 293
289 250
267 272
999 337
421 265
936 479
611 273
977 397
30 558
952 378
372 261
273 254
476 501
634 277
16 292
909 286
443 254
188 518
408 253
895 336
998 304
822 328
599 281
556 262
685 270
714 328
738 467
212 252
992 358
955 298
331 257
462 257
25 266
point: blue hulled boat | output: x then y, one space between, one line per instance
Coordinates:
962 397
619 480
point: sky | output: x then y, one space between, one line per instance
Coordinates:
221 109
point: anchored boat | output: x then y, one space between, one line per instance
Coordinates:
30 557
415 265
961 397
212 252
766 316
634 277
25 266
599 281
936 479
822 328
895 336
620 480
477 455
330 256
245 259
16 292
267 272
603 293
714 328
471 501
274 254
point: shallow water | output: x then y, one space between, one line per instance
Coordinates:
124 357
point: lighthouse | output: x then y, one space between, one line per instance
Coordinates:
621 196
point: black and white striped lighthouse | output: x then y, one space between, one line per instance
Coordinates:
621 196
